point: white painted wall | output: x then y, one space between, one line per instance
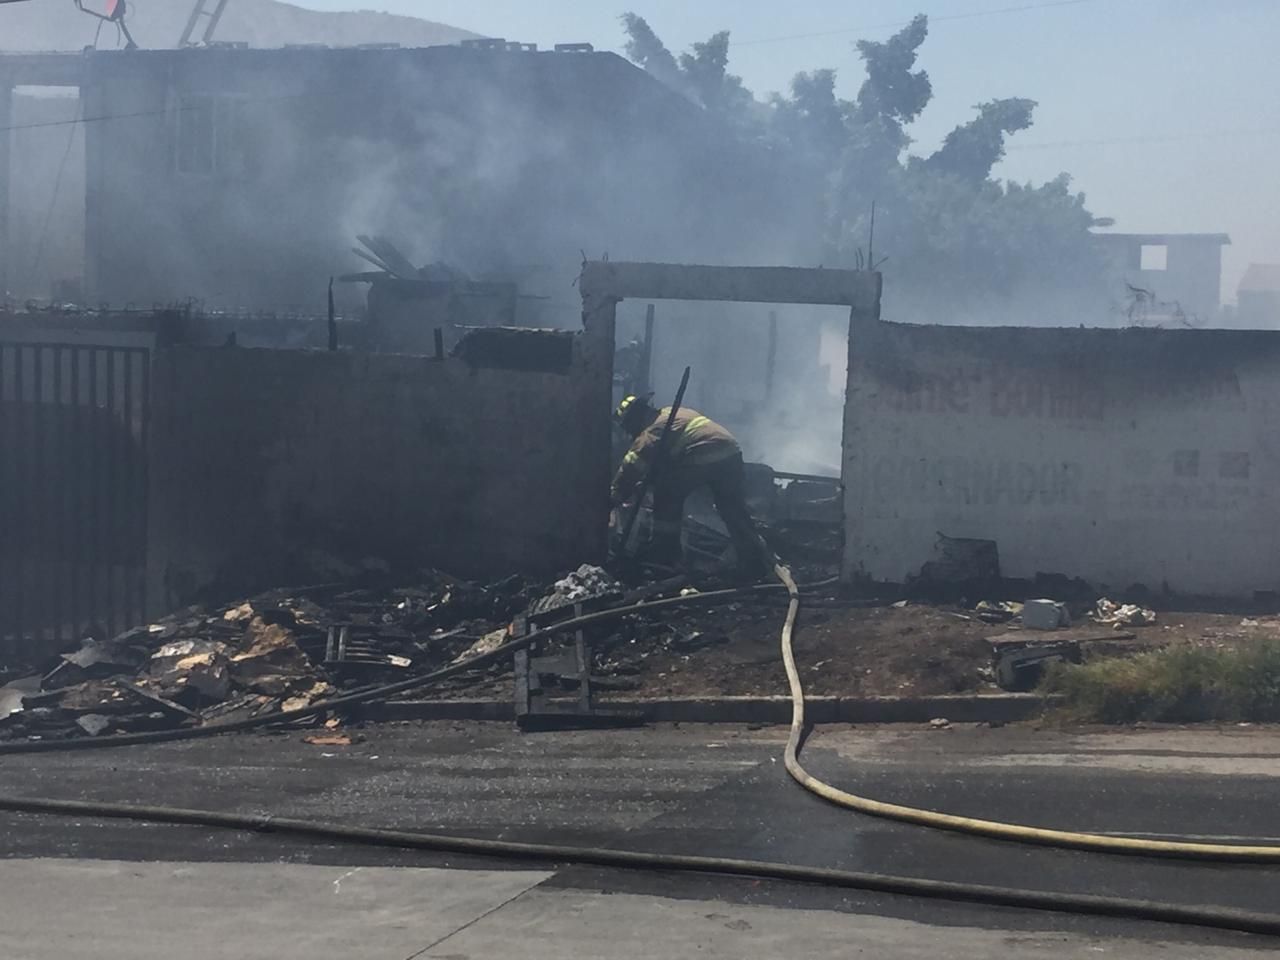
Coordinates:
1120 456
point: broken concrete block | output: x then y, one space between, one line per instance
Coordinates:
1044 615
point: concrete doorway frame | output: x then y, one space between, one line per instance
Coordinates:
604 284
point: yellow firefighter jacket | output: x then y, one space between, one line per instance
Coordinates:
695 441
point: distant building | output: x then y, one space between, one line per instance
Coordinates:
1258 296
1166 277
241 177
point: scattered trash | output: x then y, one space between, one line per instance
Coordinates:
997 611
1019 666
1045 615
940 723
899 604
1123 615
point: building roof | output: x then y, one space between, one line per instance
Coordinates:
32 27
1221 239
1261 278
600 73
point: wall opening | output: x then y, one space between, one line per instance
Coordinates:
753 371
1154 256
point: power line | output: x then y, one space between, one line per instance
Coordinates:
1149 138
149 113
902 23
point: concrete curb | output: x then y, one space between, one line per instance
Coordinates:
979 708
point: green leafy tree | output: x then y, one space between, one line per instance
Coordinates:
812 118
701 74
952 233
647 51
706 72
972 149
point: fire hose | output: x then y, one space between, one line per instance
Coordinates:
1216 917
1097 843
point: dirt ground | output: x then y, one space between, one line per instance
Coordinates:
914 650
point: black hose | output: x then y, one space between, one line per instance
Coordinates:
372 694
1222 918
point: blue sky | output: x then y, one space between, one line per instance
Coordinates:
1165 112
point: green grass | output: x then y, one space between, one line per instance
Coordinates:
1177 684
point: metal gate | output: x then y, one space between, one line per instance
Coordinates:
73 491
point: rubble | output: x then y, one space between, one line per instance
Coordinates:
13 694
998 611
585 583
267 654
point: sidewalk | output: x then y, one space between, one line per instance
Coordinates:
107 910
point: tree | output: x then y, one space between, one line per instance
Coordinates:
812 119
707 75
646 50
972 149
953 234
701 74
891 91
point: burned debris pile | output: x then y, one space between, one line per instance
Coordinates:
278 651
288 649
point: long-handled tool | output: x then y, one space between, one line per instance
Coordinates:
655 468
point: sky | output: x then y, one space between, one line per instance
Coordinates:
1164 112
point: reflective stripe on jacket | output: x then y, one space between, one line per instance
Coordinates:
695 441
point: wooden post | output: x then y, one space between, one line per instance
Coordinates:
772 357
645 384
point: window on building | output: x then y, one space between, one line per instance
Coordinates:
210 136
1155 256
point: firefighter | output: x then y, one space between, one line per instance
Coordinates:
699 453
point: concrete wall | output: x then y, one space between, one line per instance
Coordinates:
1121 456
45 198
260 456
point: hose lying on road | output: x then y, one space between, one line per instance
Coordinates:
1215 917
1223 918
374 694
1217 852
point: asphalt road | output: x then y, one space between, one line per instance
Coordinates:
706 790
